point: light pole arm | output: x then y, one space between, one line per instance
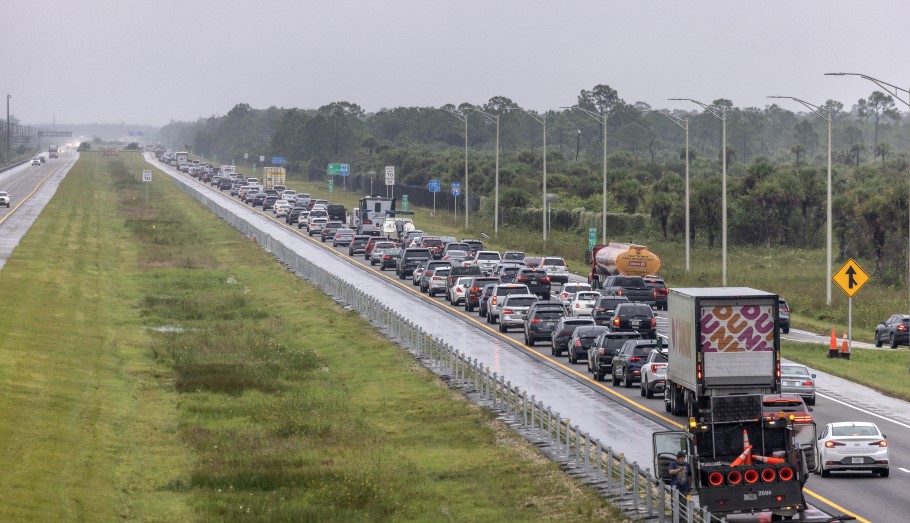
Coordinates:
491 117
812 107
457 114
601 119
892 89
720 115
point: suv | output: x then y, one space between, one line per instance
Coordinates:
559 339
507 272
567 293
487 260
436 279
409 259
604 308
556 269
783 315
458 272
636 317
454 247
654 372
660 291
600 355
894 330
536 280
497 297
515 309
434 243
358 244
627 362
474 290
541 321
583 339
329 230
427 272
4 198
484 298
475 245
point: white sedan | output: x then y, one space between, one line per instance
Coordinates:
583 303
654 373
457 292
852 445
281 208
4 198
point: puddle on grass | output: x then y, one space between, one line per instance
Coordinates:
169 329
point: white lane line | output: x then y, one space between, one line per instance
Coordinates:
903 470
864 411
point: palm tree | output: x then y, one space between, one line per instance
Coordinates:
798 150
882 149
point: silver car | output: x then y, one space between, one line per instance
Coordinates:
459 290
556 269
436 282
487 260
568 291
515 310
797 379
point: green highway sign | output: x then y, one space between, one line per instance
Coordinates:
331 184
404 202
592 237
338 169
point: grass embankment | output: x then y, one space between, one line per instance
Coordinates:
156 365
798 275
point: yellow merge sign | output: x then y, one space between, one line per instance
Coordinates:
851 277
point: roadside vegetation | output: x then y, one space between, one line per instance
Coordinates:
157 365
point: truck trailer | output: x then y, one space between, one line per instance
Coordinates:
620 259
724 355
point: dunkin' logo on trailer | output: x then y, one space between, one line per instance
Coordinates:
746 328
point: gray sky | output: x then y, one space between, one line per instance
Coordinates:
151 62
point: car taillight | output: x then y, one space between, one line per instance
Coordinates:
385 257
901 327
578 343
522 278
802 418
653 322
832 444
458 288
507 311
475 290
881 443
655 293
563 295
493 300
807 384
577 305
535 320
654 367
619 292
545 278
634 358
616 322
367 220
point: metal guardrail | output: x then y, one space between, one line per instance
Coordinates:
626 485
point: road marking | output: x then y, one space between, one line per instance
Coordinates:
835 506
864 411
29 195
902 469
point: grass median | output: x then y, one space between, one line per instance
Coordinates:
156 365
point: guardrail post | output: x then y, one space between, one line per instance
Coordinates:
494 390
577 446
622 476
533 406
690 510
549 426
661 503
524 406
599 450
635 485
587 453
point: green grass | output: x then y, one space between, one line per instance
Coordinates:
157 365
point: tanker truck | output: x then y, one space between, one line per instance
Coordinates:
616 259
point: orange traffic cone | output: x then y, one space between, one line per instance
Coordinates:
747 444
770 461
742 457
845 348
832 349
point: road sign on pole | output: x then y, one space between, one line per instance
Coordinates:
404 202
261 159
456 189
390 175
146 175
278 160
851 277
331 184
592 237
433 186
338 169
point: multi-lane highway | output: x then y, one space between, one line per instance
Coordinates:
869 498
30 188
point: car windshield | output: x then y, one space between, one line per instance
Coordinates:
550 313
488 256
505 291
590 332
578 321
661 357
794 370
553 261
629 282
521 302
575 287
589 296
854 430
641 351
430 242
514 256
614 344
457 254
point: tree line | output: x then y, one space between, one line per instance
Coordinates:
776 161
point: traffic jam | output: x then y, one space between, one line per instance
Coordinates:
710 356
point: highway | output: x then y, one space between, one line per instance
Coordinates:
30 188
869 498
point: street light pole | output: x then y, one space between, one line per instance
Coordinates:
602 120
683 123
894 91
542 119
495 119
8 137
720 114
463 118
818 112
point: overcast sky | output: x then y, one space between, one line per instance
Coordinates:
151 62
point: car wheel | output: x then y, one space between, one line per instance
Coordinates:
527 340
503 328
615 379
627 379
598 376
467 306
892 342
572 358
884 473
431 293
642 391
810 401
821 468
786 330
878 342
489 318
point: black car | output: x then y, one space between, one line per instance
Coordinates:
660 291
604 308
783 315
258 198
537 281
507 273
541 321
485 297
458 272
634 317
600 355
894 330
225 184
583 339
559 339
389 258
476 245
475 289
628 361
269 202
358 245
409 259
294 214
